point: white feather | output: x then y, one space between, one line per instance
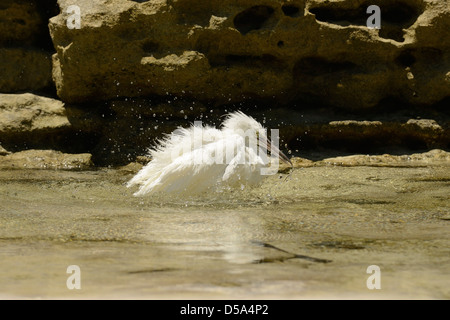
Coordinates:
193 160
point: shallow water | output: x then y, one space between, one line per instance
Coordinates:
244 244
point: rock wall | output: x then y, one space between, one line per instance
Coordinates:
137 69
25 45
280 50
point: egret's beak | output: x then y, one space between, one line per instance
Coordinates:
282 156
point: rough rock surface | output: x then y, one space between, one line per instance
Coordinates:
225 51
24 69
20 22
3 151
45 159
32 121
25 46
28 112
433 157
138 69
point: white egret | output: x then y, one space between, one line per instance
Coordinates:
192 160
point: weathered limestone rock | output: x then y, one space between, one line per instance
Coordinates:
3 151
25 45
138 69
45 159
30 113
20 22
24 69
30 121
433 157
226 51
424 124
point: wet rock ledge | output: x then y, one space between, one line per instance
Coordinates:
45 159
